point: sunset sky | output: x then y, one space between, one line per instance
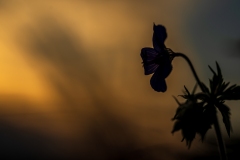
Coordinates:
72 83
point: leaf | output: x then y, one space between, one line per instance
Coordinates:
189 134
187 118
187 90
205 88
214 73
195 88
207 120
219 87
223 87
230 88
216 81
177 126
211 85
225 111
231 93
202 96
177 100
218 70
187 94
180 112
184 96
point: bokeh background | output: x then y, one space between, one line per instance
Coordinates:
72 83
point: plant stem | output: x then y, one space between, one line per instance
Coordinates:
192 68
216 124
219 139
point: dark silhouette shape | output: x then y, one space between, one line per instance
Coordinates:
198 113
157 60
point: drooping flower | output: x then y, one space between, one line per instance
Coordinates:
157 60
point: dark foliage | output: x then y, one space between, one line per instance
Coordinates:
197 114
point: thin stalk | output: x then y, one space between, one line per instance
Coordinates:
216 124
219 139
192 68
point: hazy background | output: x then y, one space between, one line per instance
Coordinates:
72 82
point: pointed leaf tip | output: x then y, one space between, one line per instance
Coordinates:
195 88
186 90
219 69
177 100
212 70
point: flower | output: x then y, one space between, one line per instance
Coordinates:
157 60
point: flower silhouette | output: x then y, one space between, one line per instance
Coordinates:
199 111
157 60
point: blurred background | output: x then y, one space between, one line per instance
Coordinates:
72 85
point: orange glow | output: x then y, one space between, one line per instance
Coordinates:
71 77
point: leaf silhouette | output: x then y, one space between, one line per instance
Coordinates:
207 120
225 111
231 93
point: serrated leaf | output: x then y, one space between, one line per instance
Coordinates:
225 111
179 112
188 117
223 87
231 93
216 81
230 88
207 120
177 126
188 135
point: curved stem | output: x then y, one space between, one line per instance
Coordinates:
192 68
222 149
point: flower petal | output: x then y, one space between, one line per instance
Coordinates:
148 56
158 83
158 79
167 68
159 36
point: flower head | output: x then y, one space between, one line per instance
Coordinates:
157 60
